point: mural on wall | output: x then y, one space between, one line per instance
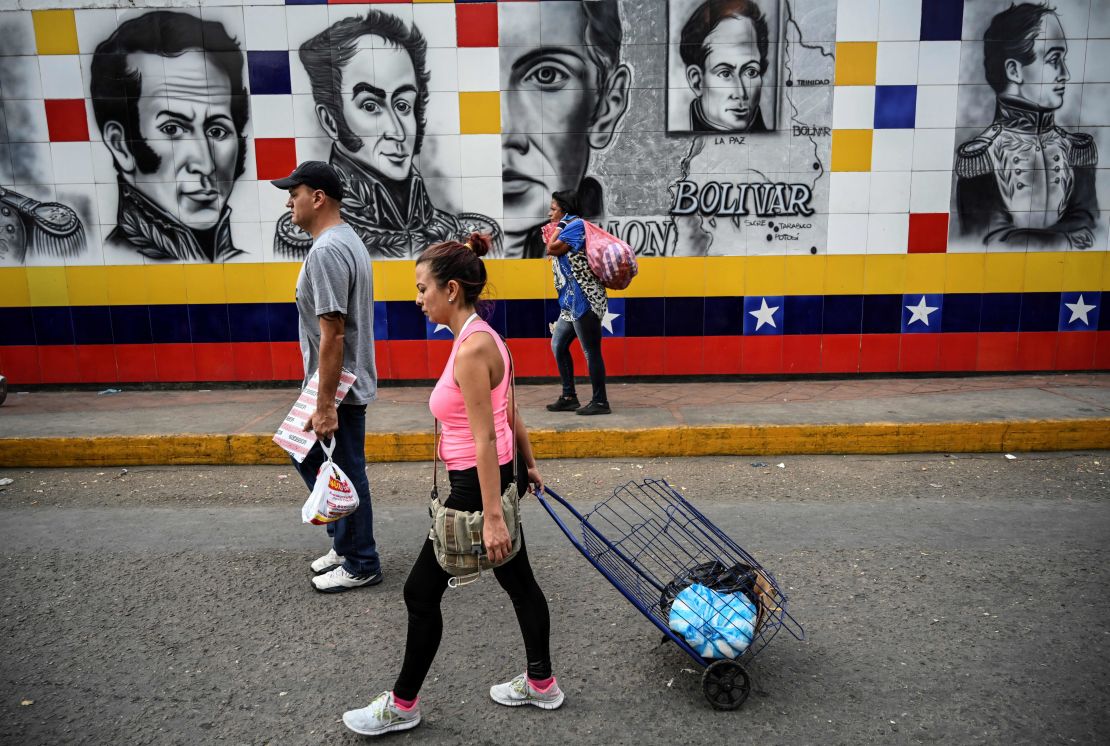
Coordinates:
168 96
1026 182
370 90
30 228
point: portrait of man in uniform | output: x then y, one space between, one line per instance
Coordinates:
563 95
1025 181
168 97
370 88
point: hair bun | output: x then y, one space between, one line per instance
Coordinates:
480 243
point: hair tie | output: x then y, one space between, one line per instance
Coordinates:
467 245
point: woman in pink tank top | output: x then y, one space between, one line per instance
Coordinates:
473 401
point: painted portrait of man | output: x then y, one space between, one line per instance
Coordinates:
724 47
562 100
370 88
168 97
1025 181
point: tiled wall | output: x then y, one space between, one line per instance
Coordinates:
868 103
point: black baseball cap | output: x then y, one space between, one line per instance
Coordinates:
315 175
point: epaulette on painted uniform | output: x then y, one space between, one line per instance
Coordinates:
290 242
973 157
1084 151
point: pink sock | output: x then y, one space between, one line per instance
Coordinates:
404 704
541 685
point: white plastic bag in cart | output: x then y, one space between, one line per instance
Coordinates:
715 625
333 497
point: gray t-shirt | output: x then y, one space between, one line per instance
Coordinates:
336 277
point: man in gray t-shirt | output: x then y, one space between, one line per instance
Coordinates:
335 306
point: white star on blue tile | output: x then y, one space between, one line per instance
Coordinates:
1079 311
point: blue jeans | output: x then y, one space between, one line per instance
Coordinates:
353 536
587 328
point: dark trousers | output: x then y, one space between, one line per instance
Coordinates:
587 329
353 536
427 581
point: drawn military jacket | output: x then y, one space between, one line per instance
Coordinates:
388 231
144 227
1025 180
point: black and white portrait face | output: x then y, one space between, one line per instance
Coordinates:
1042 76
728 82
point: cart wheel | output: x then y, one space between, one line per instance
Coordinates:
726 684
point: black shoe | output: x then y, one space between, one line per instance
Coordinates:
594 408
564 404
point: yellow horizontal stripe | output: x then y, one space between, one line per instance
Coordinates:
847 274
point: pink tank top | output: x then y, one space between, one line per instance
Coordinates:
456 442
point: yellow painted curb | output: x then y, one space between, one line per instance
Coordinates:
710 440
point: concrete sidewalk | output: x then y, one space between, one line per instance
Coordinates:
894 415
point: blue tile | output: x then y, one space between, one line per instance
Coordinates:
406 321
381 316
724 316
644 317
802 314
922 313
437 331
282 320
209 323
895 106
495 313
525 319
961 312
763 315
53 325
843 314
170 323
17 326
269 72
130 325
92 325
882 314
683 317
616 317
306 2
249 322
942 20
1079 311
1001 312
550 314
1040 312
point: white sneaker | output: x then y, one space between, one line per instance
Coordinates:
339 580
381 716
520 691
329 561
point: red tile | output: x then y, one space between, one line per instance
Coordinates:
382 359
214 361
643 356
958 351
58 364
66 119
682 356
175 362
1037 350
409 359
1076 350
532 357
723 355
439 350
276 157
612 351
287 361
840 353
928 233
135 363
997 351
476 24
1102 351
97 363
252 361
919 352
21 364
801 353
878 353
762 354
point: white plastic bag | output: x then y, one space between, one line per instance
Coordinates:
333 497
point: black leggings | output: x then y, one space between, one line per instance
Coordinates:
427 581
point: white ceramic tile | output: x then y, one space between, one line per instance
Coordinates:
1098 61
518 24
26 121
890 192
244 200
899 20
436 22
888 234
339 12
231 18
443 68
857 20
936 105
271 201
478 69
482 194
847 234
849 191
930 191
93 27
402 10
939 63
892 150
17 29
247 237
896 63
20 77
853 107
481 155
443 113
933 149
61 76
305 121
272 116
72 162
107 198
441 156
298 78
104 167
302 22
265 26
446 194
313 149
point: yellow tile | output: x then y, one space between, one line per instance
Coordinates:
851 150
165 283
480 112
55 31
855 62
517 278
684 276
14 292
1083 269
649 282
1004 273
1105 284
1044 272
395 280
281 281
964 273
433 1
245 283
47 286
724 275
805 275
204 283
88 286
127 285
844 274
924 273
884 273
765 275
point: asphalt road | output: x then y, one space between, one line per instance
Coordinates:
946 600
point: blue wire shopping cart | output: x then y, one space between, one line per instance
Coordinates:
651 544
